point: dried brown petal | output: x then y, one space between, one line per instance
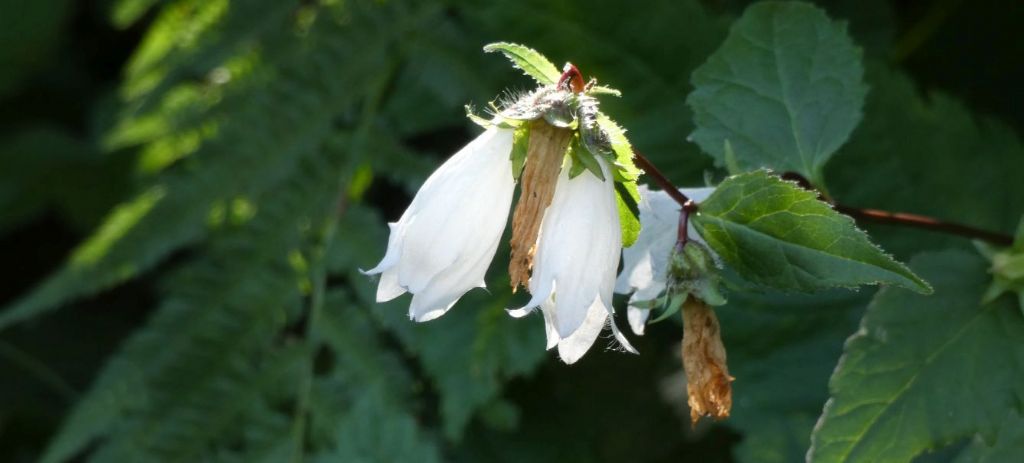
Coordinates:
543 163
707 375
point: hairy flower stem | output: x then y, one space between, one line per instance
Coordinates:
907 220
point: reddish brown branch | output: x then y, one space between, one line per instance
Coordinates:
906 219
659 178
682 233
924 223
687 204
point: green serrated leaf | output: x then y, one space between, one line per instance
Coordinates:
627 198
1008 444
786 88
922 372
530 61
626 170
520 146
774 233
731 164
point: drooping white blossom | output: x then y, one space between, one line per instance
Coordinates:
444 242
577 255
645 264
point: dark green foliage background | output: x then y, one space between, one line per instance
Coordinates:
213 140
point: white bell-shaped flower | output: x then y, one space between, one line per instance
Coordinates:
645 264
577 255
446 239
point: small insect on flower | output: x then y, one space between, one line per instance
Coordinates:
566 229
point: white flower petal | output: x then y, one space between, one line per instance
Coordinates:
645 264
391 255
388 287
520 312
550 332
637 319
572 347
578 249
622 339
448 286
446 239
575 263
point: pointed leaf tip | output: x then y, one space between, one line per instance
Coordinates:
777 234
530 61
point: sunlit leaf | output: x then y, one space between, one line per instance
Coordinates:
777 234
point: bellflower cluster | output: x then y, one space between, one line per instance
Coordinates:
566 237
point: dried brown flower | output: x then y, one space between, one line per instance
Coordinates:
540 174
707 376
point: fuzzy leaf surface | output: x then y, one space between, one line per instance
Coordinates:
777 234
924 371
785 90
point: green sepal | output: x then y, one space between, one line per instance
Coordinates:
649 304
693 270
623 167
477 119
575 167
582 159
520 146
603 90
1006 267
673 303
497 121
530 61
627 198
